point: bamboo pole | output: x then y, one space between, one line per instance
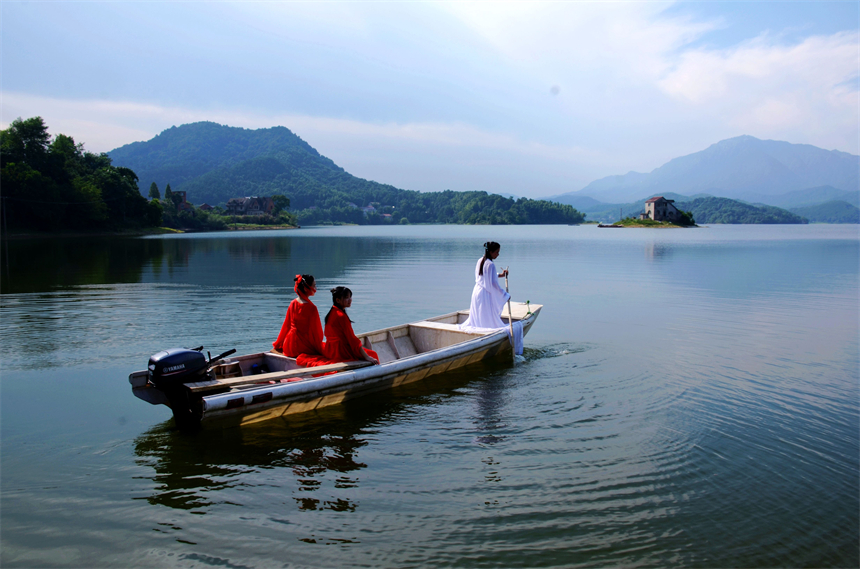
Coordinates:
510 319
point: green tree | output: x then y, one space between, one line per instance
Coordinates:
169 198
57 185
26 142
281 202
154 212
686 219
154 194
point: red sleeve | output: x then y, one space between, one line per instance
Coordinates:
315 332
285 328
349 336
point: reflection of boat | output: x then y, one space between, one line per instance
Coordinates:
261 386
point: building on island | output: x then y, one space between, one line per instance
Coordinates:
250 206
659 208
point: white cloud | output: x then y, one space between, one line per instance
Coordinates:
105 125
626 37
462 150
816 64
800 92
459 94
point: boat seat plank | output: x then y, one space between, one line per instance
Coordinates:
393 344
520 310
385 353
437 326
210 385
405 346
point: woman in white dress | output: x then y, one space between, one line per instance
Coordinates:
488 297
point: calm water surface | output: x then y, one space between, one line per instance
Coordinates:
686 398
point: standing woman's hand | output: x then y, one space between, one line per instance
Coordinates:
503 274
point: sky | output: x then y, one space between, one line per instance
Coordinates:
526 98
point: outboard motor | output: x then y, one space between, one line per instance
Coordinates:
170 370
176 366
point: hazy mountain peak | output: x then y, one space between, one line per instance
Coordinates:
737 167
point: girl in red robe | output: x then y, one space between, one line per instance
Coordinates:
341 343
301 334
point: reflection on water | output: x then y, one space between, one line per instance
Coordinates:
686 398
312 456
656 250
190 473
37 265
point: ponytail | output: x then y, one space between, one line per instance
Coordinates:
489 247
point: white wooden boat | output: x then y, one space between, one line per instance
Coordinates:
257 387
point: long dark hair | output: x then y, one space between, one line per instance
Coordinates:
338 293
489 247
303 284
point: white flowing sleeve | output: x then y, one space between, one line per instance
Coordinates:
491 282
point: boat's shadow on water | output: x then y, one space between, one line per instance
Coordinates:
198 471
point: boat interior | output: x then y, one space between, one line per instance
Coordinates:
390 343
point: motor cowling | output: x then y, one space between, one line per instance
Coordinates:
176 366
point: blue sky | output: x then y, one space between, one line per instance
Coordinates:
533 99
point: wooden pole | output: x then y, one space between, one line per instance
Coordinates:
510 319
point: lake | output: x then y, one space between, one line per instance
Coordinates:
686 398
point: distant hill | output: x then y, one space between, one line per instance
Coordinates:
809 197
705 209
579 202
724 210
741 168
836 211
213 163
609 212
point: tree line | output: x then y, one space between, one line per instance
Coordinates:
51 184
54 184
469 208
725 210
179 214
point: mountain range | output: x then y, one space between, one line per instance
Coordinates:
213 163
743 168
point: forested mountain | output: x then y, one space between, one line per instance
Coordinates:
836 211
214 163
809 197
723 210
741 168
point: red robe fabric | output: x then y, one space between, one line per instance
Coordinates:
301 334
341 343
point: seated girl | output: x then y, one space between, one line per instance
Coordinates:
301 334
341 344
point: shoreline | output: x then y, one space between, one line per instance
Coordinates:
138 233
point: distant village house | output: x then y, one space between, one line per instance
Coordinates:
183 205
659 208
250 206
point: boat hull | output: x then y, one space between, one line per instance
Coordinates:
266 401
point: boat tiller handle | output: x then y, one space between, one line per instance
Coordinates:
224 355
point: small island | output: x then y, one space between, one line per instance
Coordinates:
659 212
